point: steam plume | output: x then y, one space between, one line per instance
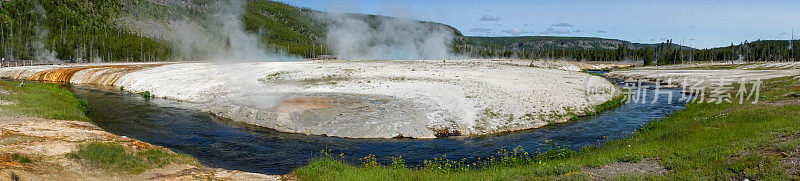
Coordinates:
221 37
40 51
363 37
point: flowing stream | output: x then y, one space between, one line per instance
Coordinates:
230 145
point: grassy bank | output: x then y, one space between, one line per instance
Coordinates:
615 102
112 155
704 141
44 100
118 158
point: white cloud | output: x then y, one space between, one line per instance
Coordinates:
490 18
515 32
561 25
554 31
480 30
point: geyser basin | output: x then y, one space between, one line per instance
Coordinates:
225 144
381 99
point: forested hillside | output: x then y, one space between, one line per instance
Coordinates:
147 30
280 27
300 31
293 29
79 30
144 30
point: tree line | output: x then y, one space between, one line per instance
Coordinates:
665 53
72 30
286 28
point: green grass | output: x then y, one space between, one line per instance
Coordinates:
608 105
45 100
705 141
115 157
146 94
21 159
779 89
48 100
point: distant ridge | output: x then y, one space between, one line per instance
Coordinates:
558 42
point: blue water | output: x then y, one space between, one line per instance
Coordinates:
225 144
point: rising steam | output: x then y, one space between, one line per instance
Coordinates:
221 37
40 52
353 36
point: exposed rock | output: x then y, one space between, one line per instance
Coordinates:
47 143
641 168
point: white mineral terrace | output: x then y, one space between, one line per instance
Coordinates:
360 99
680 76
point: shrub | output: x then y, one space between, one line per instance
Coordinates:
146 94
83 105
110 156
21 159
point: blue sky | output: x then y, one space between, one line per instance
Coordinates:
700 24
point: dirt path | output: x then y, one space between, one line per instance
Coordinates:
47 143
640 168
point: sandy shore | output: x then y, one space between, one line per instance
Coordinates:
382 99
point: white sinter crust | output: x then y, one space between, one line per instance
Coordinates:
378 99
